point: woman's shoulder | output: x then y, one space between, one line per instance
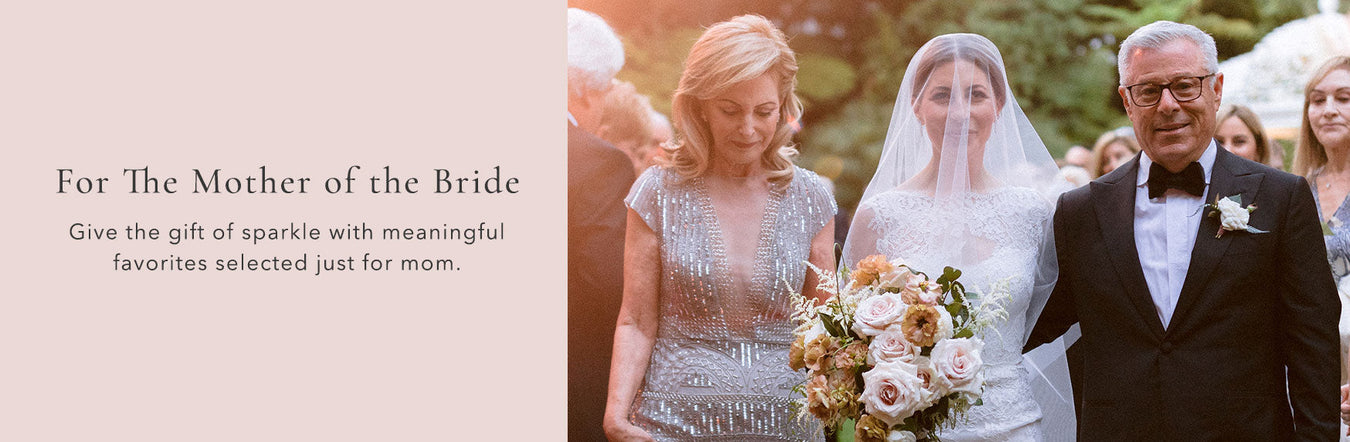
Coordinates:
810 187
659 177
807 182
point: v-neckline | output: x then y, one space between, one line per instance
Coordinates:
1317 195
722 271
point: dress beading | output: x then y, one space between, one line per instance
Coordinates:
719 367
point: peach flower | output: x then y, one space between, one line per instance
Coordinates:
925 325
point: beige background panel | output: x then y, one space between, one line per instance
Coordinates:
307 89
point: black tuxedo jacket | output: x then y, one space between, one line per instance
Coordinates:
598 178
1255 310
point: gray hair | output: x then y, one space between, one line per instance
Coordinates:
1155 35
594 53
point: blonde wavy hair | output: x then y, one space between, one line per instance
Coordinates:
731 52
1310 154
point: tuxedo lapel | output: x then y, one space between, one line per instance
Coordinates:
1113 202
1228 178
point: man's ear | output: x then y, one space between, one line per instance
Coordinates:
1124 98
1218 88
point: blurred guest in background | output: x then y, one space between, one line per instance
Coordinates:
1073 167
1241 133
655 150
598 176
627 122
1111 150
1077 156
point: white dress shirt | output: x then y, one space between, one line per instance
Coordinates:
1165 230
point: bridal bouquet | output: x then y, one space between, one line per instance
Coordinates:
892 349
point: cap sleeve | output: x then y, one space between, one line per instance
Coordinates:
645 197
820 202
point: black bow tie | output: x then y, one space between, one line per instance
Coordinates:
1190 180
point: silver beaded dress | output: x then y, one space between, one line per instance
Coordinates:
719 367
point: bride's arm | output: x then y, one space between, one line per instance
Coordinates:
635 333
822 256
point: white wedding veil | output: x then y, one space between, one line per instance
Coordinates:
956 134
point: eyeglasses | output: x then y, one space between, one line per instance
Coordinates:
1183 90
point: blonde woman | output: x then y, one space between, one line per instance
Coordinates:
717 240
1112 149
1323 156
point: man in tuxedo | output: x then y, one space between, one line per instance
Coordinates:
1188 334
598 178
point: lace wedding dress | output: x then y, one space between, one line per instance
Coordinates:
994 236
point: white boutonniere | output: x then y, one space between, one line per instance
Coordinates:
1232 216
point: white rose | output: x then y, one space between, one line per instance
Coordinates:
892 392
945 327
935 386
889 346
958 360
1232 215
876 313
901 436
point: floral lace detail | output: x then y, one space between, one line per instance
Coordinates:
990 237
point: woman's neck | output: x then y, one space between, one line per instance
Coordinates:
736 171
1338 160
927 179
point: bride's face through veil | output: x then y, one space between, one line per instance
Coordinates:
957 136
957 106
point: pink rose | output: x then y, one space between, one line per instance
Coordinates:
935 386
958 360
891 345
876 313
892 392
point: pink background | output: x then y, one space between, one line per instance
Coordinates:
306 88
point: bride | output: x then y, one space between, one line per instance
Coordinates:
964 181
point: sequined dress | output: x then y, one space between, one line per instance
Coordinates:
994 235
719 367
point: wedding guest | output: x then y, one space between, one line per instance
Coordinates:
717 240
1241 133
655 150
1077 156
627 122
598 175
1111 150
1323 156
1073 167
